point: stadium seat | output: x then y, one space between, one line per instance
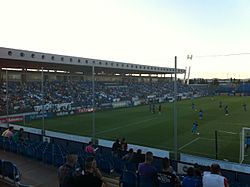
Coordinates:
6 144
235 185
130 166
10 170
145 181
158 164
243 179
129 179
230 175
23 185
81 161
1 142
59 159
1 166
105 166
166 185
13 147
119 165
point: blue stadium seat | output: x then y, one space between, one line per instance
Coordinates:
59 159
1 166
23 185
131 166
235 185
129 179
14 147
6 144
81 161
166 185
119 165
1 142
10 170
230 175
146 181
105 166
243 179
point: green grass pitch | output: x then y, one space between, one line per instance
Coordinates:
141 127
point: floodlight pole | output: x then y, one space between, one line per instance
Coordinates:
7 99
175 111
42 89
93 105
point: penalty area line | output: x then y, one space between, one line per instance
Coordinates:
228 132
187 144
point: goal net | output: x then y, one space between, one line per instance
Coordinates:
245 145
228 145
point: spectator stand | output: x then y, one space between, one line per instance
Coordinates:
57 145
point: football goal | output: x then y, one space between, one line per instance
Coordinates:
245 145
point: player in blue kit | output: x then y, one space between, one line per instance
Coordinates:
201 114
220 105
193 106
244 107
226 110
195 128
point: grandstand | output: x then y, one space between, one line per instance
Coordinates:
63 102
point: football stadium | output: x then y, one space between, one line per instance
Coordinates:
87 100
125 95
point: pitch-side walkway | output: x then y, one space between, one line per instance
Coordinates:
38 174
33 172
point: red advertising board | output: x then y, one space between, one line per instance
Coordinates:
11 119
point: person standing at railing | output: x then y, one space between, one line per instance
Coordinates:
90 148
19 136
9 132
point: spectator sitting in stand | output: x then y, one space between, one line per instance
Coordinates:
138 157
167 166
90 148
67 171
116 148
191 180
146 168
124 145
129 156
18 136
198 176
214 178
167 175
92 176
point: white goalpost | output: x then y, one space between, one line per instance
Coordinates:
244 144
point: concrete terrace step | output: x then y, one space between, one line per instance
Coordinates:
112 182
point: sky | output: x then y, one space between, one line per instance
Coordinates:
149 32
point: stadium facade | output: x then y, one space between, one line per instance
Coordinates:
62 67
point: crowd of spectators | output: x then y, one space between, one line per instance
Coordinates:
18 136
69 173
23 97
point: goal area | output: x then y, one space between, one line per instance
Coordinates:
227 145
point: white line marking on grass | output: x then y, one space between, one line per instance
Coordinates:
121 127
228 132
236 123
187 144
212 139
